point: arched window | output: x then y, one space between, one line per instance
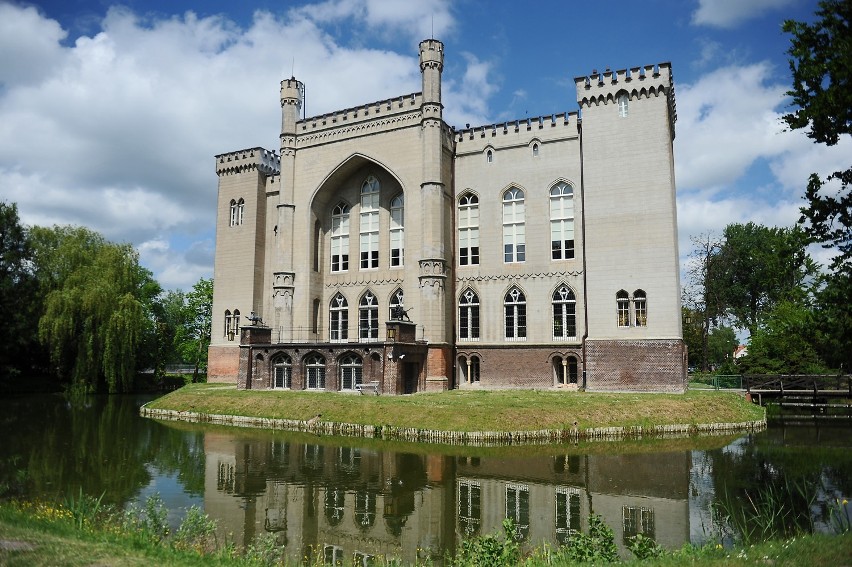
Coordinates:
397 302
370 223
565 370
535 150
470 508
315 372
474 369
622 105
468 230
241 206
235 322
562 221
468 315
622 301
368 318
233 213
229 330
514 238
564 313
640 308
350 372
339 318
340 238
335 502
468 369
282 372
397 231
515 305
489 156
365 509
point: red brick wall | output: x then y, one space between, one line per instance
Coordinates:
636 365
517 366
223 364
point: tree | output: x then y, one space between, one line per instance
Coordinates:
833 318
702 294
193 337
97 306
758 267
18 302
821 65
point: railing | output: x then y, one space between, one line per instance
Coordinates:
799 382
308 335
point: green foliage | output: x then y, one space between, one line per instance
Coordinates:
644 547
821 67
264 550
839 517
596 546
148 521
193 337
84 509
196 532
490 550
833 319
97 306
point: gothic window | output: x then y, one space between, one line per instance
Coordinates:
518 508
564 313
315 372
468 230
562 221
397 302
350 372
335 502
514 239
489 156
470 508
640 308
567 513
468 315
339 318
515 305
368 318
282 372
365 509
535 150
622 301
469 369
622 105
235 324
229 330
370 223
636 520
397 231
237 211
340 238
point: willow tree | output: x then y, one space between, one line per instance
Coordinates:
96 312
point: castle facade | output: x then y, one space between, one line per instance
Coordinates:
384 251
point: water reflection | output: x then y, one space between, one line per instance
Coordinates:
343 499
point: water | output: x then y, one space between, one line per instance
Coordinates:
346 498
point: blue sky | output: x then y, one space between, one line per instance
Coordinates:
110 114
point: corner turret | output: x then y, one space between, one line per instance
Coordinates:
292 98
431 67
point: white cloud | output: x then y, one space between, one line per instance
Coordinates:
731 13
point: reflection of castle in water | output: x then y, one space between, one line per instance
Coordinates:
348 502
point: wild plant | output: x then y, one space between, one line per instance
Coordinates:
264 550
598 545
196 532
150 521
490 550
644 547
839 517
84 509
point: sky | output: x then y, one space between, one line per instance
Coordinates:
111 113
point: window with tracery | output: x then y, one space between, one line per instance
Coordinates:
369 215
564 313
468 315
468 223
470 508
515 307
562 222
350 372
340 238
237 211
518 508
339 328
282 372
315 372
368 318
514 228
397 302
397 231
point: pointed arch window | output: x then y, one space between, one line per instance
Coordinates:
368 318
622 100
515 306
397 231
468 230
622 301
397 303
562 222
535 150
489 156
339 318
564 313
350 372
514 237
640 308
237 211
335 505
369 216
315 372
469 316
340 238
230 331
282 372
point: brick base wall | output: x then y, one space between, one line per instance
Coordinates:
636 366
223 364
517 366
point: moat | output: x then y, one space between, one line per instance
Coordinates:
349 498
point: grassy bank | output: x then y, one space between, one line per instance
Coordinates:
456 410
43 534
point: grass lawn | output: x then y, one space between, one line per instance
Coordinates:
456 410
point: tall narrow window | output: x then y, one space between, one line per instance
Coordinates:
489 156
315 372
515 305
567 513
518 508
470 508
233 211
535 150
468 315
368 318
640 308
622 301
370 223
514 239
397 231
350 372
562 222
622 105
564 313
282 372
334 508
241 206
339 318
636 520
229 329
317 245
397 303
340 238
235 322
468 230
365 511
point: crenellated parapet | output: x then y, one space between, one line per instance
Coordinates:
264 161
431 55
564 120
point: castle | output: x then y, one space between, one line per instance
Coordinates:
384 251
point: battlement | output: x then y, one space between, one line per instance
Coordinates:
362 113
431 54
264 161
514 126
636 81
